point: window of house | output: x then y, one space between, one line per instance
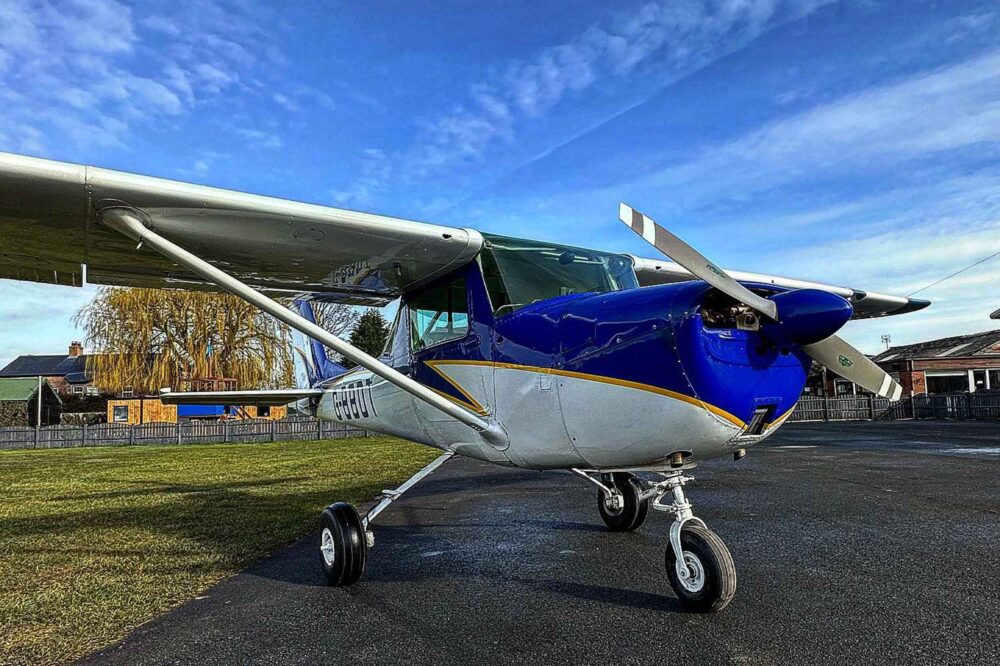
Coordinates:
956 382
127 392
843 387
264 411
978 380
91 390
994 377
77 390
438 314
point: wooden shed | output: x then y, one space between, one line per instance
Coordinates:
19 402
151 410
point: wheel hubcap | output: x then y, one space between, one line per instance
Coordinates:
691 577
327 547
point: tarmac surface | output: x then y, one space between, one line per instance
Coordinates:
853 542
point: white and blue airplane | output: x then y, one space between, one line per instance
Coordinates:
625 371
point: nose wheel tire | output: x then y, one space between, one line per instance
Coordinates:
633 511
710 580
343 549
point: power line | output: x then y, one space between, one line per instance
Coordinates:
932 284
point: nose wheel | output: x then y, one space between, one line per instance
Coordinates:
699 566
706 580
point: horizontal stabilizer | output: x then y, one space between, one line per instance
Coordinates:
243 398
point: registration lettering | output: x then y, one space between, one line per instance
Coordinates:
353 401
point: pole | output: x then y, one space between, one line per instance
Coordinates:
38 404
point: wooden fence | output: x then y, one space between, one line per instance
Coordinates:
186 432
961 406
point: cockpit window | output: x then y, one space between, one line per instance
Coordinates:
438 314
519 272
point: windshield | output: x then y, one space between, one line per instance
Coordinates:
520 272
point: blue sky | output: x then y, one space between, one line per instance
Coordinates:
854 142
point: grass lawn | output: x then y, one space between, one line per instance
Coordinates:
96 541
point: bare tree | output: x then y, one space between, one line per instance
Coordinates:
337 318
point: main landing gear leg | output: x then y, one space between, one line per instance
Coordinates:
699 566
345 537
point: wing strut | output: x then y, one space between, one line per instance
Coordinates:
128 221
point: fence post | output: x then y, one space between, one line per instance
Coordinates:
271 421
35 444
225 431
871 405
826 408
319 429
84 443
178 432
131 434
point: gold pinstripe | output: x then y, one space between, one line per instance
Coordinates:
594 378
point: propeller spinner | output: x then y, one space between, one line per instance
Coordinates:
807 317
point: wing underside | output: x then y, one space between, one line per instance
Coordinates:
50 224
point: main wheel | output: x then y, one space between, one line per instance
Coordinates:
343 548
633 512
712 583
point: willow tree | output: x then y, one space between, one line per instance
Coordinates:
152 338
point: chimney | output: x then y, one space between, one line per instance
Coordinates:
75 348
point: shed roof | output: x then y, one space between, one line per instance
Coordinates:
18 389
976 344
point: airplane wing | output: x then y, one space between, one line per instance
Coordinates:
867 304
50 229
265 397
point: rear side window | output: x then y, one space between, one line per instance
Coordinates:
438 314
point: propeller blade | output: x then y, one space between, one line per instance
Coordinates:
692 260
851 364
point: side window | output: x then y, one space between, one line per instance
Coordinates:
438 314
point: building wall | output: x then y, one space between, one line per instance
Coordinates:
151 410
961 363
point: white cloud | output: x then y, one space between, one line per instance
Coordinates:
669 38
86 72
375 168
949 109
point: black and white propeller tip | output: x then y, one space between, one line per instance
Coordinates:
833 352
692 260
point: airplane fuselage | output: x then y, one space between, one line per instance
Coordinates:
617 380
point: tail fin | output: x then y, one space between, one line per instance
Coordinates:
312 365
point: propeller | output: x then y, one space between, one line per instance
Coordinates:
803 315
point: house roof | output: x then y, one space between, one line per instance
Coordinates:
976 344
73 368
19 389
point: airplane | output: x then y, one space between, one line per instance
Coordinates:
624 371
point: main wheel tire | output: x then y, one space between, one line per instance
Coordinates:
713 585
634 511
343 548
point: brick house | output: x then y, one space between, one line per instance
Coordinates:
67 374
963 363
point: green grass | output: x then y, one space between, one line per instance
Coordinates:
94 542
